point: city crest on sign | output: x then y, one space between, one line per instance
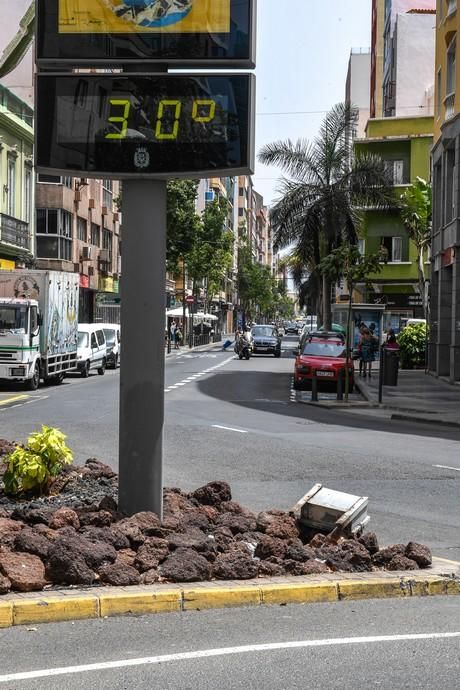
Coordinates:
141 158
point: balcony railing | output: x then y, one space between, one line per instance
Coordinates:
14 231
449 102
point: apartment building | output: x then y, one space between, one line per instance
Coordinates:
16 181
444 350
358 86
78 230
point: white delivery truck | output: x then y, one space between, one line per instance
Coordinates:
38 326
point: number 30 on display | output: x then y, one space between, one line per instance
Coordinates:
166 107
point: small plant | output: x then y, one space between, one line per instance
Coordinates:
32 468
412 344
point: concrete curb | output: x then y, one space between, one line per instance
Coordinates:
424 420
103 602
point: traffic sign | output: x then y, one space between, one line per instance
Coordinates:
190 299
189 33
138 125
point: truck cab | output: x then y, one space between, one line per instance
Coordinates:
20 322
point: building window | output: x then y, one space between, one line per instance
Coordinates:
107 194
54 179
107 244
438 92
82 229
451 6
450 185
241 191
95 235
27 193
11 186
241 212
451 67
54 234
391 249
396 171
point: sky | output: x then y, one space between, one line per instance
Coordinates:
303 48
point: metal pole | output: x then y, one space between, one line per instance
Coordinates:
340 385
381 373
142 323
314 387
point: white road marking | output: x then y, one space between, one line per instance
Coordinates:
229 428
222 651
446 467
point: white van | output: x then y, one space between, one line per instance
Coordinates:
112 337
92 349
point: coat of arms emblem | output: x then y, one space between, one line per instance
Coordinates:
141 157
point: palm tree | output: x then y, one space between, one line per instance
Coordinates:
415 210
319 204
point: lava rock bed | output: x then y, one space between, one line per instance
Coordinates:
77 537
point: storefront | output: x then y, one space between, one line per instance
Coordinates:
107 308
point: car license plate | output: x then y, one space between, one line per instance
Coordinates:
324 373
262 349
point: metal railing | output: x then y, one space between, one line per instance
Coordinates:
14 231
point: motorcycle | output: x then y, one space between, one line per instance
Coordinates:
243 348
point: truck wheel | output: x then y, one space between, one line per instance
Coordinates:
101 370
33 383
55 380
85 371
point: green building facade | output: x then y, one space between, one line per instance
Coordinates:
405 144
16 181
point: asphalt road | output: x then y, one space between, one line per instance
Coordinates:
388 644
236 420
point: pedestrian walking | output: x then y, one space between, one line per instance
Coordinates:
172 330
367 351
178 339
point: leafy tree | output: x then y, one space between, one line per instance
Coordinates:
318 207
415 207
412 343
256 285
182 221
349 264
211 254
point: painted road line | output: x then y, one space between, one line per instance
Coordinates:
221 652
14 398
229 428
446 467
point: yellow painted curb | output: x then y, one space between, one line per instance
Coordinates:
372 589
14 398
302 593
53 610
220 597
6 615
453 587
144 602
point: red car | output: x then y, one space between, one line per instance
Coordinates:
325 355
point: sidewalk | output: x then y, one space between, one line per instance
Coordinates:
417 397
185 349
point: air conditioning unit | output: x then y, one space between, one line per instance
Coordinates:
86 253
90 271
76 268
105 210
91 203
116 217
104 255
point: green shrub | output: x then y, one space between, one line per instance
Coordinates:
412 344
31 469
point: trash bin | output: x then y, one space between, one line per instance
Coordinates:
390 366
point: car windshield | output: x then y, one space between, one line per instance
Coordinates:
83 339
13 318
109 336
263 332
324 350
